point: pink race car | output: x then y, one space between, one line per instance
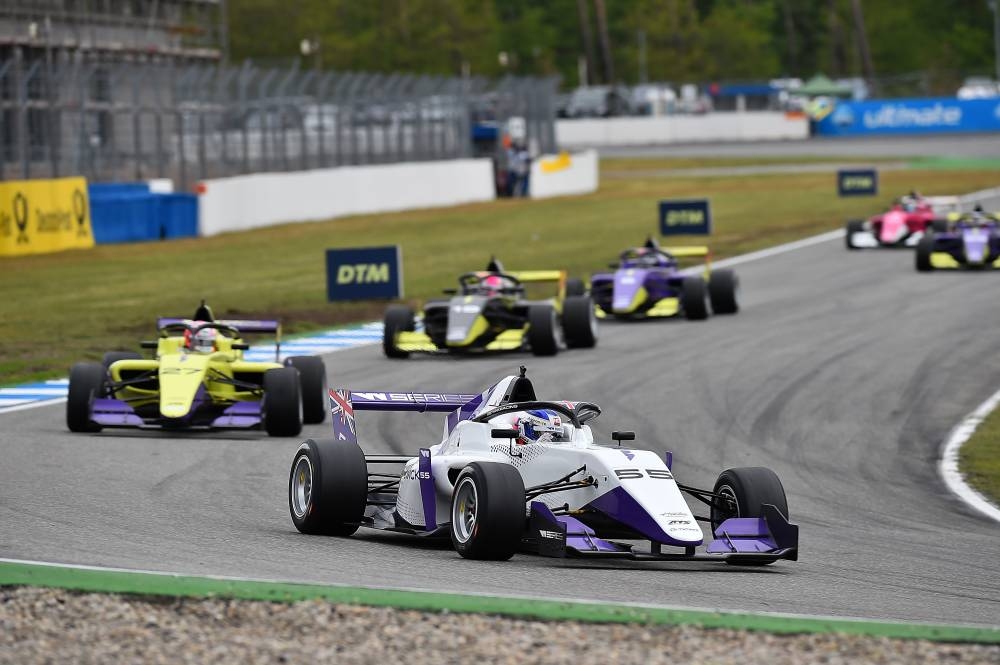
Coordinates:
904 224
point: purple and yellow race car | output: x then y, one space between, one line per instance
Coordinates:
971 241
647 282
198 379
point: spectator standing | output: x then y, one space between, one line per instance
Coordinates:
522 169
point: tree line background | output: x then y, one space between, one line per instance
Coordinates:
684 40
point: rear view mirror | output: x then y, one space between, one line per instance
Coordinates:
148 344
623 436
503 433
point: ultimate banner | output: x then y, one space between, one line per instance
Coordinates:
42 216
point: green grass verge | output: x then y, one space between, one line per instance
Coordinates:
956 163
979 458
61 308
105 581
619 164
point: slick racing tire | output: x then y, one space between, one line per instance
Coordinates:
487 511
575 287
747 488
85 383
925 247
722 287
579 323
853 226
328 487
693 299
939 226
543 335
111 357
282 404
398 318
312 384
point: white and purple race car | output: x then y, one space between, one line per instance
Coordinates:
514 473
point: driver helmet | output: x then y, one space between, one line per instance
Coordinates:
202 341
493 285
647 258
540 426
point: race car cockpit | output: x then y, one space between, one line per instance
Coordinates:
486 283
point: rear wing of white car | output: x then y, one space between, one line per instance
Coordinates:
344 402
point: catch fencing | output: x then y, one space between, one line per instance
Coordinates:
61 113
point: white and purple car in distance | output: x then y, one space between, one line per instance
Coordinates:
513 473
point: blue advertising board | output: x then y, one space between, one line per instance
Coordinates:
685 217
910 116
857 182
359 273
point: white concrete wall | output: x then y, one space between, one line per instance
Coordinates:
745 126
266 199
563 175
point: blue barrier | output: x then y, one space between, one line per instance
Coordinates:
129 212
178 215
910 116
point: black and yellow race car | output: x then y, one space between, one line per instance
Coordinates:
490 311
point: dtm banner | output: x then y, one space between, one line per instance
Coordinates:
909 116
359 273
679 217
857 182
41 216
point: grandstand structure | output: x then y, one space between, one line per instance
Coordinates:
124 90
115 30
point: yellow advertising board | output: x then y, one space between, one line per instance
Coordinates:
560 162
41 216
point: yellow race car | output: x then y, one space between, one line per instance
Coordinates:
198 379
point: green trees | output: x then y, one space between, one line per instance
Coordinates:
685 40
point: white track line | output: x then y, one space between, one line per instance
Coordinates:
949 459
779 249
32 405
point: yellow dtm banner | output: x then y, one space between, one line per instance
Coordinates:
41 216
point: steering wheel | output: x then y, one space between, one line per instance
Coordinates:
587 411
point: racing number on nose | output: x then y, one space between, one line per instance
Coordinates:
633 474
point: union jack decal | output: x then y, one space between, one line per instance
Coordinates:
343 415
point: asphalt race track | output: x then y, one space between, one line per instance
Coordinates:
844 372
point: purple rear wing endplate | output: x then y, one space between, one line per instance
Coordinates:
244 326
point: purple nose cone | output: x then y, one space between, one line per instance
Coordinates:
627 282
976 242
